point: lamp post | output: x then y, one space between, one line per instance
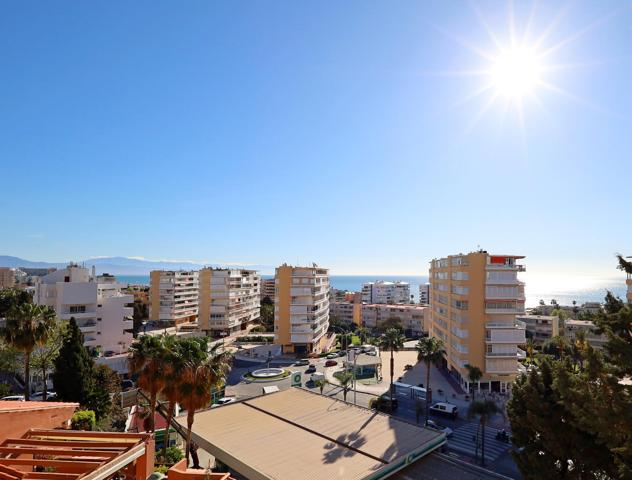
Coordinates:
144 324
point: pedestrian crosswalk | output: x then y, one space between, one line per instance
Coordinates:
463 440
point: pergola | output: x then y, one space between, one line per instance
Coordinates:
73 455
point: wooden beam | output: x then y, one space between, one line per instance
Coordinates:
51 476
64 466
121 446
121 436
59 451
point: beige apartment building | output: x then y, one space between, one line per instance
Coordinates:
413 318
594 339
301 309
7 277
229 300
267 288
541 328
474 302
173 296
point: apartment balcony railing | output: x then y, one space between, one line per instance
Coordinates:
502 266
502 354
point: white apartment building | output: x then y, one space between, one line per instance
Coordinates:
386 292
301 309
594 339
102 312
229 300
424 294
173 296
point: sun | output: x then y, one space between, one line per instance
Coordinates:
516 72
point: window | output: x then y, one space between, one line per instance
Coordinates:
460 304
460 276
77 309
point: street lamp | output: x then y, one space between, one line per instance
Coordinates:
144 324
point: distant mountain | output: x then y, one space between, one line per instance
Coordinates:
122 265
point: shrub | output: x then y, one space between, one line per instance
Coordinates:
83 420
161 469
174 455
259 329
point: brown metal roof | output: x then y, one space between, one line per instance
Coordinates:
298 434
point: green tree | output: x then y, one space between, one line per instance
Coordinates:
11 298
530 350
140 315
474 375
83 420
363 334
266 313
392 340
321 385
198 379
390 323
430 351
74 368
484 410
43 356
148 360
10 358
104 384
28 326
346 382
345 340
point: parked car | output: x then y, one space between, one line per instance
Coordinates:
342 353
223 401
440 428
332 355
331 363
372 353
14 398
302 362
408 367
315 377
445 408
311 368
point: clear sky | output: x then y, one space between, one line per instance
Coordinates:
366 136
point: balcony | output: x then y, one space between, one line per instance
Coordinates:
78 316
501 366
501 266
501 354
516 310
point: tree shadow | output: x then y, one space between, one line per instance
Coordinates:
338 449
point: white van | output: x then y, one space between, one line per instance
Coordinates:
317 376
445 409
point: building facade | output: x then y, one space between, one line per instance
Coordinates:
386 292
474 302
541 328
7 277
102 311
173 296
229 300
301 309
267 288
594 339
412 317
424 294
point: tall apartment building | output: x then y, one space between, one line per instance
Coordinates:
424 294
7 277
301 309
267 288
386 292
475 299
173 296
229 300
102 312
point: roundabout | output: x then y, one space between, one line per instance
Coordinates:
266 375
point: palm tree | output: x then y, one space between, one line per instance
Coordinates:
529 350
484 409
345 380
28 326
430 351
148 361
345 340
392 340
197 380
363 333
321 385
178 350
474 374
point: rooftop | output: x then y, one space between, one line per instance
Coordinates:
302 435
9 406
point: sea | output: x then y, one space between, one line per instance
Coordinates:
561 290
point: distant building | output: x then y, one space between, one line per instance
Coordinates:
414 318
475 300
424 294
102 312
343 311
628 282
229 300
541 328
595 340
7 277
267 288
386 292
173 296
301 309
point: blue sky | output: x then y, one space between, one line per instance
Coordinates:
344 133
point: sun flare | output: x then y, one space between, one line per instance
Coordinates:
515 72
